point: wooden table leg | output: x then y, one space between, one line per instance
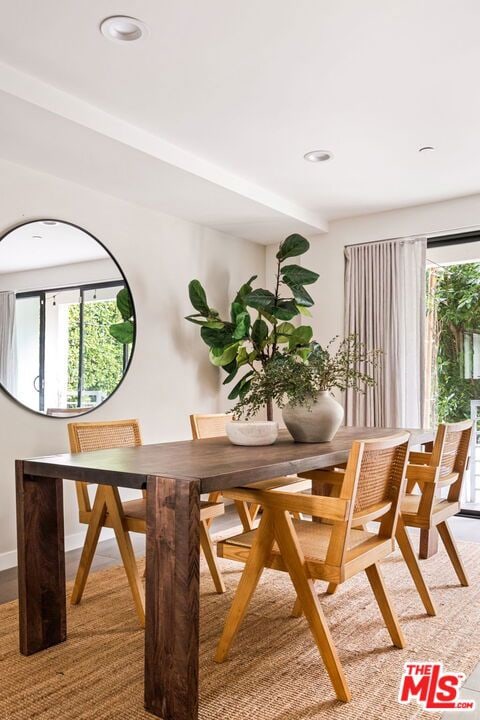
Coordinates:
172 598
428 543
41 562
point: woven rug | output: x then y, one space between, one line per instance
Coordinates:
274 670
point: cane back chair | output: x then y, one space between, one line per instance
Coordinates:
108 510
372 488
432 472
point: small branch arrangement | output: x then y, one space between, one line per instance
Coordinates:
296 380
254 344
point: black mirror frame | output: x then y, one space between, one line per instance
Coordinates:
37 413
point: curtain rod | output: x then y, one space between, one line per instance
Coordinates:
390 239
428 236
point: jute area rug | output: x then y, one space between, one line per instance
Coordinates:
274 670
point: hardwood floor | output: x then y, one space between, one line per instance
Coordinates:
108 555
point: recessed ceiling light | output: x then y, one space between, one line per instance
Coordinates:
318 156
123 29
426 148
49 222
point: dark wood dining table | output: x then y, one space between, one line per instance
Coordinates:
174 474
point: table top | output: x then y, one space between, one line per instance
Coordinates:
215 462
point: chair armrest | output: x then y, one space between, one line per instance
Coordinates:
419 458
423 473
329 476
330 508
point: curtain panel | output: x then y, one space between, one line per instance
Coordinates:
7 341
385 307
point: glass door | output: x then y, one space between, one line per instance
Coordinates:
29 331
453 349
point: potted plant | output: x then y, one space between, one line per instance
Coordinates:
260 325
301 385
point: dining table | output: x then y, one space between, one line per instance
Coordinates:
174 475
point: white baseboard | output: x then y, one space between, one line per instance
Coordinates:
72 542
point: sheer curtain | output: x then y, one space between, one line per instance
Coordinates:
385 306
7 341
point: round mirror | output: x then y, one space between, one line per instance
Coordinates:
67 320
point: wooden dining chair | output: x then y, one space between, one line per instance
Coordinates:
372 489
432 472
108 510
214 425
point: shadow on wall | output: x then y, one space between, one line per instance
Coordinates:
186 338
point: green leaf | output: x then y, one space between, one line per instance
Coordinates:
242 326
299 275
220 357
300 336
282 334
216 338
292 245
260 299
242 356
284 310
304 311
245 290
303 352
237 389
259 331
232 368
215 324
198 297
124 332
302 297
245 388
125 304
285 328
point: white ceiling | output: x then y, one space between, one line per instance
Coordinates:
209 117
34 245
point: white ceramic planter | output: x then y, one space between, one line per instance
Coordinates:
319 423
253 432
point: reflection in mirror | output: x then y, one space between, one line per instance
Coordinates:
66 319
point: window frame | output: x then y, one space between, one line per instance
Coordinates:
82 289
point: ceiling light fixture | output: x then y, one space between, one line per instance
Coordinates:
318 156
123 29
426 148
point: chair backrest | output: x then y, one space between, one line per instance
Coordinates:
374 484
450 454
90 436
372 489
207 426
66 412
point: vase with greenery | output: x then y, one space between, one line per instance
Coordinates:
302 386
260 328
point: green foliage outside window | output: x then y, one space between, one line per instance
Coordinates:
103 354
456 301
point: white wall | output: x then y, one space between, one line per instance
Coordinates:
326 254
170 375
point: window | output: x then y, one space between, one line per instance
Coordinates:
72 360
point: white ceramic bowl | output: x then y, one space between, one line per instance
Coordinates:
252 432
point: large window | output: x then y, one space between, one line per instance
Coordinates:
453 345
73 361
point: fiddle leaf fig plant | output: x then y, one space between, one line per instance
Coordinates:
259 327
124 331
